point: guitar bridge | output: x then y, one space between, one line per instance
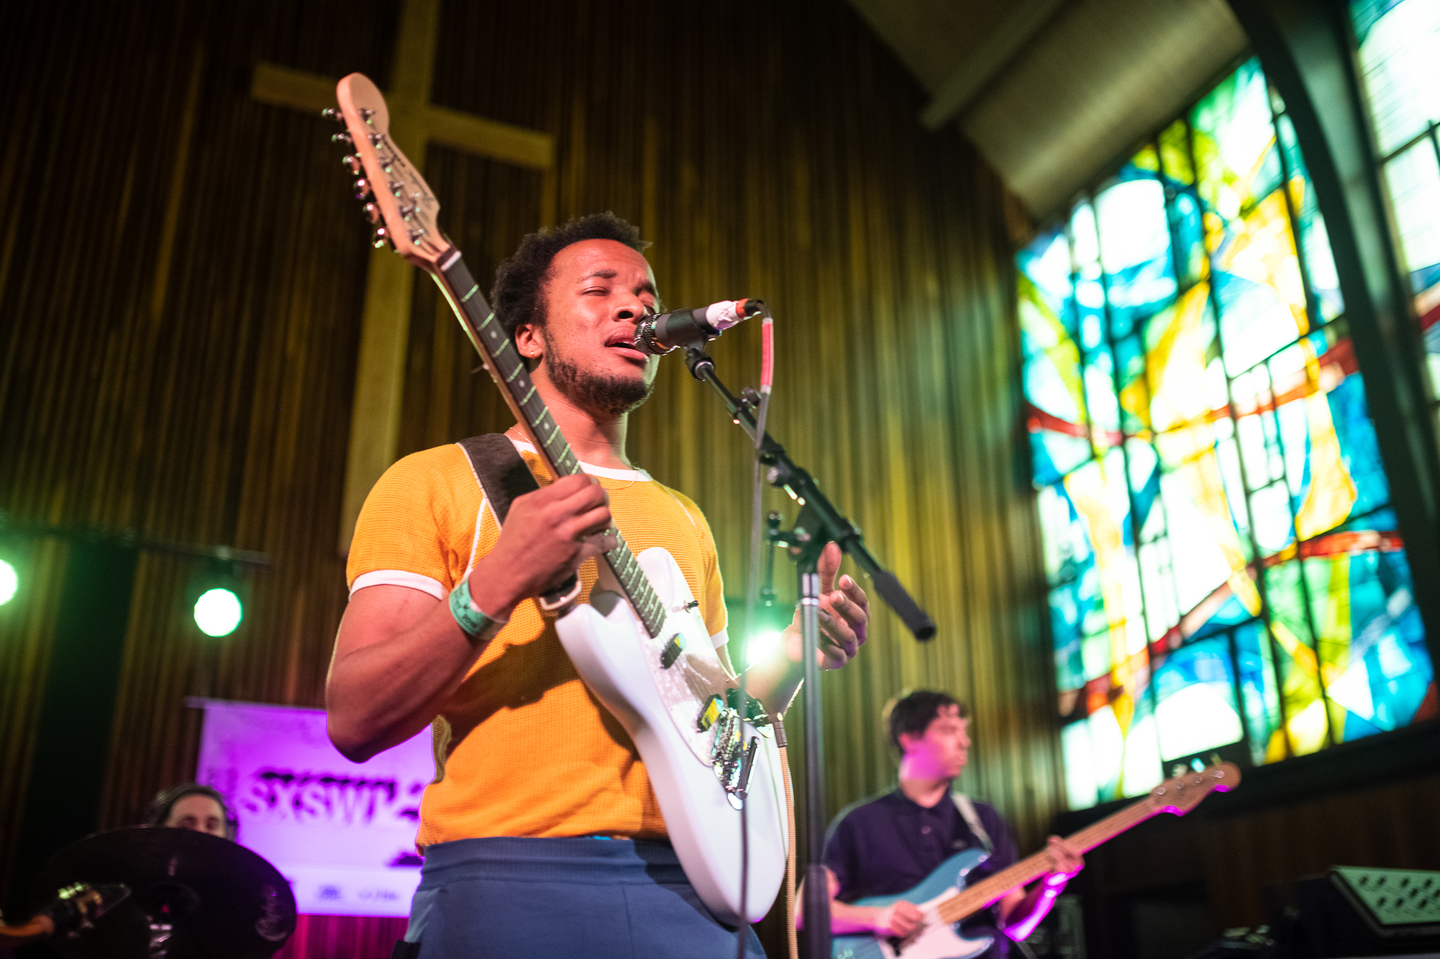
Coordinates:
730 758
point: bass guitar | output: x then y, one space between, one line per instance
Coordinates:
640 644
945 900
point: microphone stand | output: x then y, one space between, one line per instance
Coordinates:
819 523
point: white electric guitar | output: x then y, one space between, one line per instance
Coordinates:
640 645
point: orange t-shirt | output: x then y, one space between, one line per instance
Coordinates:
531 752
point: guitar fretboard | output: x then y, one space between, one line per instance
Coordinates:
1176 795
974 898
508 369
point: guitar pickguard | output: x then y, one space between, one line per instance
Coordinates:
697 674
658 706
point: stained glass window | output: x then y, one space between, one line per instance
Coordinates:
1398 44
1223 565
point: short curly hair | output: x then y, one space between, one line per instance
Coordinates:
914 711
520 280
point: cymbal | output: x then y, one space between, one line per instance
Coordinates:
221 900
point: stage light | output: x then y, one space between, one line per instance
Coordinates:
762 646
9 582
218 612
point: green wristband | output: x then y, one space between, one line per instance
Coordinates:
471 618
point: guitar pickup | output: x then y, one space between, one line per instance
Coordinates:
672 651
709 713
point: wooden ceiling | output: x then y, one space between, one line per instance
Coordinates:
1055 91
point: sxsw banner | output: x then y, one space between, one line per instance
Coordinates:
342 833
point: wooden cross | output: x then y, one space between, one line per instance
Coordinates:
414 124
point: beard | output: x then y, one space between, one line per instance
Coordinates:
610 395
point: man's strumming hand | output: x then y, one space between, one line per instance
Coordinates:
897 919
546 535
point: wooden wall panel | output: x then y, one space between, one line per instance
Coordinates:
202 394
1231 849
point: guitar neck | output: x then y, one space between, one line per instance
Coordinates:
507 368
974 898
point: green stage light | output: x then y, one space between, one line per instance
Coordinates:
762 646
9 582
218 612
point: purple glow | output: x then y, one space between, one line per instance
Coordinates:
342 833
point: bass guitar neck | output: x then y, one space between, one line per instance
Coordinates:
1178 796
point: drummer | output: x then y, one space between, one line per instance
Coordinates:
191 806
195 807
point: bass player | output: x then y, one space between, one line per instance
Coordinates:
886 846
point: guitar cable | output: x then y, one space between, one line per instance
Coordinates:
752 595
767 379
793 937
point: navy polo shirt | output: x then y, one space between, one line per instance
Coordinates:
889 845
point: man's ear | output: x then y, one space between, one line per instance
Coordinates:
906 739
529 343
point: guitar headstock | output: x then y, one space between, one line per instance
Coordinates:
1183 793
397 199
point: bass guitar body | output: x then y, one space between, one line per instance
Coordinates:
661 701
934 938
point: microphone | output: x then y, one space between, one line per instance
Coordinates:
659 333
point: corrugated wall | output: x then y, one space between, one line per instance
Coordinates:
182 272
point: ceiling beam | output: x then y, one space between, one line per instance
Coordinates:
1027 18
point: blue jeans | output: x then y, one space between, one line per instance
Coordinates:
563 898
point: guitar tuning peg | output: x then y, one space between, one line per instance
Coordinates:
406 211
397 188
382 236
362 188
373 212
330 113
366 114
415 235
352 163
340 138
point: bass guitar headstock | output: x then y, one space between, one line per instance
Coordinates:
397 199
1184 792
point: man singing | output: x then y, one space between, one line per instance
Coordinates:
542 834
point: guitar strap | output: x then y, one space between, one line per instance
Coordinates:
499 469
972 819
502 474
